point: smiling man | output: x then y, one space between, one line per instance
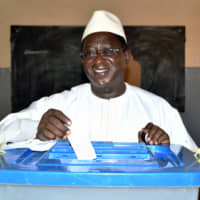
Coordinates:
107 109
104 62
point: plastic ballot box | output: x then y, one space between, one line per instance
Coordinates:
120 171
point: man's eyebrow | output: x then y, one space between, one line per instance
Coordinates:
107 45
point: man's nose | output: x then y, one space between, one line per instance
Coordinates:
98 57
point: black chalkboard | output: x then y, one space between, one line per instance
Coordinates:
45 60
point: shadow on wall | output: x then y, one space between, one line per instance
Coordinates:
160 51
45 60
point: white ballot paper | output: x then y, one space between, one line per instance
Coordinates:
82 147
79 137
81 143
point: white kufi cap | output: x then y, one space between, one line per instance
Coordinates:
104 21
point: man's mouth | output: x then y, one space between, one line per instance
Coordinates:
100 70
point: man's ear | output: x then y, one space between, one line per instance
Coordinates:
127 54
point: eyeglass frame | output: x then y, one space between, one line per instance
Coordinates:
101 52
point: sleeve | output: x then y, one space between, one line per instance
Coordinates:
176 129
23 125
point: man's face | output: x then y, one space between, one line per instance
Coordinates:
108 65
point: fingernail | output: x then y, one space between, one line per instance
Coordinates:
68 132
64 137
69 123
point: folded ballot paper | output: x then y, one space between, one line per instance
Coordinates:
33 144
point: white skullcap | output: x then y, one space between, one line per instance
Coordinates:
104 21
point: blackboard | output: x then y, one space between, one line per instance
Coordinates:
45 60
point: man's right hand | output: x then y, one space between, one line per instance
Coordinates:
53 124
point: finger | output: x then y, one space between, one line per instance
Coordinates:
164 139
65 138
68 131
48 134
54 130
62 117
40 136
58 124
156 137
152 131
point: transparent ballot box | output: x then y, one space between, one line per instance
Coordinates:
121 170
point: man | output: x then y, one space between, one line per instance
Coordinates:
107 109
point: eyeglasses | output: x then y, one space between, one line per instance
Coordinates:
105 53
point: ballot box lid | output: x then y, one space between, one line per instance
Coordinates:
116 165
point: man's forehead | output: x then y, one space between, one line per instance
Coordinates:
101 37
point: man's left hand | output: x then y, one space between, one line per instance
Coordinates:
155 135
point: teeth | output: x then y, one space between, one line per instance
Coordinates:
100 70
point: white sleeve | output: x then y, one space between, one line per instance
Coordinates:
23 125
176 129
13 129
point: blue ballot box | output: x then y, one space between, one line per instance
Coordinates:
121 170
